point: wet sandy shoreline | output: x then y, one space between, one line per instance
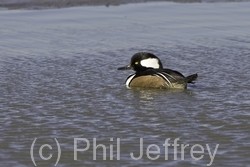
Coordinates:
38 4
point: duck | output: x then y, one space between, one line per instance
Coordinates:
149 73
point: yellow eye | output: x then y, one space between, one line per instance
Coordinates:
136 62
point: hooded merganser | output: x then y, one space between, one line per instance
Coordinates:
150 73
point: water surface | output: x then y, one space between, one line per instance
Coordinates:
58 79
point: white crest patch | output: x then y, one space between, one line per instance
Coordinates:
150 63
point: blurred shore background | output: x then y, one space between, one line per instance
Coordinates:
43 4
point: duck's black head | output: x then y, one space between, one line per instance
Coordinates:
142 61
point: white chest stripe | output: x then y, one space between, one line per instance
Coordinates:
151 62
129 79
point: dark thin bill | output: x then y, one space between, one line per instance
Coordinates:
128 67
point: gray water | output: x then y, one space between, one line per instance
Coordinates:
58 79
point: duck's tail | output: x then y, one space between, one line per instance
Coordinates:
191 78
